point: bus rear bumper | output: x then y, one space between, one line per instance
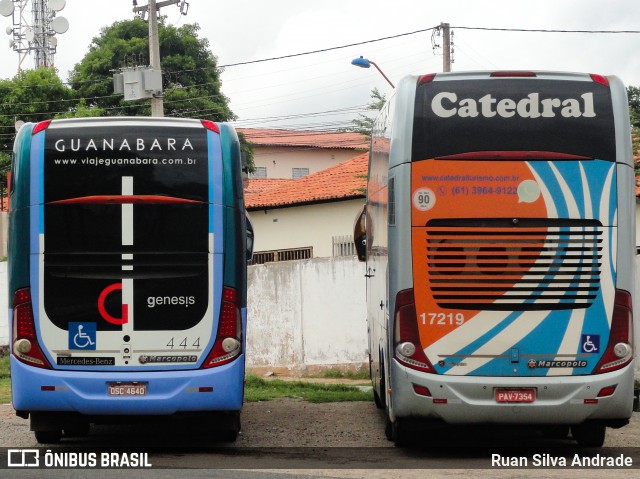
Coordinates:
558 400
167 392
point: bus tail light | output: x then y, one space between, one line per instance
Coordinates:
25 341
43 125
210 125
406 341
228 343
428 78
601 79
619 350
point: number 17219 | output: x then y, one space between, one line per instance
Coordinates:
442 319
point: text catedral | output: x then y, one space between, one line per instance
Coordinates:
446 104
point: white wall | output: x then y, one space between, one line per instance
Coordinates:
279 161
303 226
637 223
307 313
4 223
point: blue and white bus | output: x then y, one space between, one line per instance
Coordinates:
128 246
499 239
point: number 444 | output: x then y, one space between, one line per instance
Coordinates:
442 319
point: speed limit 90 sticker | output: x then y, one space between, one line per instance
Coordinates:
424 199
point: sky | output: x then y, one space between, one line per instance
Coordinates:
323 90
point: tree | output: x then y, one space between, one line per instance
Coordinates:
364 123
31 96
633 95
191 77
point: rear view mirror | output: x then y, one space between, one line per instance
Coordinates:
250 239
360 234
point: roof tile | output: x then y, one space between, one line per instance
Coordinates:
315 139
342 181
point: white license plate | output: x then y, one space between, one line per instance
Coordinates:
127 389
515 395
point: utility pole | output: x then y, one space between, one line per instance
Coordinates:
446 47
157 104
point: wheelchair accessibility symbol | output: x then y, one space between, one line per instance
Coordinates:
82 336
590 343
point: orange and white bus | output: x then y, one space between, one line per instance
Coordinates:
499 242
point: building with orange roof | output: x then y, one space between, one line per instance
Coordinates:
293 154
305 217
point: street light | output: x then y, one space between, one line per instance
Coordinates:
366 63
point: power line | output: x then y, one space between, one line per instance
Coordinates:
389 37
497 29
545 30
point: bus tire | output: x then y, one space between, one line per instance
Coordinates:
589 434
388 426
77 430
555 432
48 437
231 427
380 397
399 432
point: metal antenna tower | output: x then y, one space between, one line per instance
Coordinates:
35 35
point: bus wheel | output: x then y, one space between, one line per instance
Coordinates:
230 427
589 434
77 430
388 426
379 397
399 432
48 437
555 432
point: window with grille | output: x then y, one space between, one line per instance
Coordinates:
299 172
261 257
343 245
261 172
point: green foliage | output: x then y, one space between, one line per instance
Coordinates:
351 375
191 83
30 96
191 78
258 389
364 123
633 95
635 145
5 379
4 366
81 110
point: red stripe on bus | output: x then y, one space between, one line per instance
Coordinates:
123 199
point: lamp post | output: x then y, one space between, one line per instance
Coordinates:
366 63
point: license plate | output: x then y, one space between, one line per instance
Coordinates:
515 395
127 389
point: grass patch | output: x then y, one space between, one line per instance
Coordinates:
5 391
5 380
337 374
258 389
4 367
